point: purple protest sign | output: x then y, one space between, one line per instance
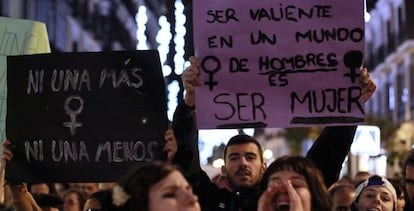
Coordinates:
271 63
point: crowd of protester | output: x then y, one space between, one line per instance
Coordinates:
247 183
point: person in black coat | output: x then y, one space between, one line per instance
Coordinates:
244 165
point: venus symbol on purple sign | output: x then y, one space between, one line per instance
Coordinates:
73 124
210 65
353 60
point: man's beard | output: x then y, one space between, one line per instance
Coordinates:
243 186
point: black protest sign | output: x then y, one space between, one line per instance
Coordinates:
77 117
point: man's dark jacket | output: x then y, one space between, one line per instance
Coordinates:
328 153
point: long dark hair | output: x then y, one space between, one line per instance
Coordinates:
104 197
139 181
305 167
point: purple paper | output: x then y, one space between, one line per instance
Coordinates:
272 63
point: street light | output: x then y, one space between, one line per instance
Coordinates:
218 163
268 154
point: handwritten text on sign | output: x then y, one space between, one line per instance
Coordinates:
269 63
18 37
84 112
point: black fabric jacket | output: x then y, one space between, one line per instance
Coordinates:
328 153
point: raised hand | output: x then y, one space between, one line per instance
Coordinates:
190 78
368 86
170 145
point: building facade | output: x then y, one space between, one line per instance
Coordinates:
389 55
80 25
389 40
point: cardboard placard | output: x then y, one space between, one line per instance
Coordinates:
78 117
273 63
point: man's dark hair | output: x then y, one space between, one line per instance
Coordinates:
48 200
338 187
105 199
139 181
409 160
243 139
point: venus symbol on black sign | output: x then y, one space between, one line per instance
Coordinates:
73 124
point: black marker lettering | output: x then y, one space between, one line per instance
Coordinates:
243 101
223 42
221 16
335 34
290 13
297 62
238 65
342 100
262 38
219 100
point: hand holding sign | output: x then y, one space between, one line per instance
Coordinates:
368 86
190 78
171 146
